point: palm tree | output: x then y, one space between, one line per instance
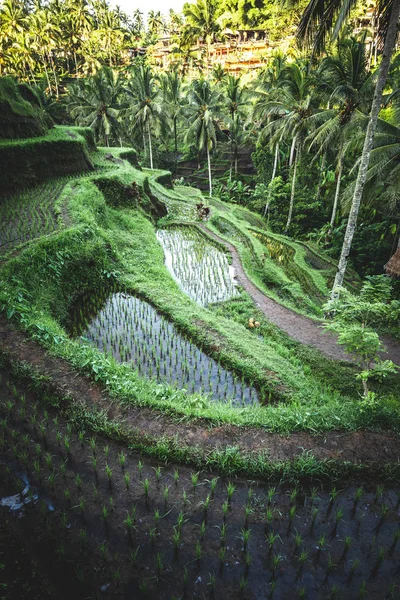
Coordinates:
347 84
203 112
173 98
267 82
290 107
146 111
236 99
325 16
155 22
202 22
96 102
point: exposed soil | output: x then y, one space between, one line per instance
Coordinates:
297 326
361 446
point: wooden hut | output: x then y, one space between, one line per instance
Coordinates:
392 267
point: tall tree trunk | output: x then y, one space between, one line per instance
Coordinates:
150 146
266 209
368 143
321 174
292 148
175 136
47 74
209 170
337 191
296 159
54 74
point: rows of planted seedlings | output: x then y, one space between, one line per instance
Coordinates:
29 213
160 531
133 332
200 268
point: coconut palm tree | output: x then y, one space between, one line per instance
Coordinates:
287 111
174 100
203 112
329 16
146 109
201 19
96 102
347 84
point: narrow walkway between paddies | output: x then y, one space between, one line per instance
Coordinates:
297 326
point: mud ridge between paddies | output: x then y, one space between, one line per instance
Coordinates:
364 446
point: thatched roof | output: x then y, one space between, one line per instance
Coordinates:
393 266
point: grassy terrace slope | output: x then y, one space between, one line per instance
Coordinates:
106 233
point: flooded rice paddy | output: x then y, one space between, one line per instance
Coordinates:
133 332
201 270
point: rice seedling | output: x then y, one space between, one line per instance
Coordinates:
363 591
271 539
159 565
225 509
78 481
230 489
298 540
338 518
276 560
157 471
213 485
270 495
176 476
203 528
129 524
109 472
83 536
198 551
127 479
146 489
133 555
140 468
245 536
195 480
176 539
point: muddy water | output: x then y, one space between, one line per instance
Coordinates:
133 332
200 268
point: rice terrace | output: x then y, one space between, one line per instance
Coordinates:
199 300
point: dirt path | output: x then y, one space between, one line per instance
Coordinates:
297 326
360 446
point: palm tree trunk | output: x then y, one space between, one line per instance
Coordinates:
209 170
273 177
368 143
337 191
47 74
150 147
296 159
321 174
175 136
54 74
292 151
